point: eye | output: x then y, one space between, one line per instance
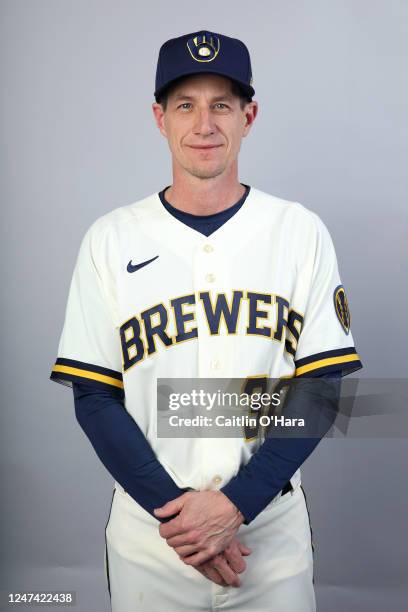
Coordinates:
220 105
185 105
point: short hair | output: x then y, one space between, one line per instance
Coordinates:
236 90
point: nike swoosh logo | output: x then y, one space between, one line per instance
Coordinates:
133 268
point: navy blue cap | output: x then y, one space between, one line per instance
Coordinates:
204 52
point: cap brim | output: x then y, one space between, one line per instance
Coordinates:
247 89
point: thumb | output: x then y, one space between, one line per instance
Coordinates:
172 507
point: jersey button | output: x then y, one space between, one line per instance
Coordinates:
208 248
210 278
217 479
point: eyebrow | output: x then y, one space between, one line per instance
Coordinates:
224 96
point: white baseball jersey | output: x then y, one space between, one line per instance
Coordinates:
150 298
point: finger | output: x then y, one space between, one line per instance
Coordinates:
245 551
171 529
225 571
198 558
234 558
172 507
189 538
211 574
187 550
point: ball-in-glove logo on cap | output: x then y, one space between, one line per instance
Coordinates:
204 47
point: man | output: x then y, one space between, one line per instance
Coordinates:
208 278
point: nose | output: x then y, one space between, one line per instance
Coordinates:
204 124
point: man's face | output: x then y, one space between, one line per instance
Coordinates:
204 124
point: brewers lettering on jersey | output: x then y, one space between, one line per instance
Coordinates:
153 295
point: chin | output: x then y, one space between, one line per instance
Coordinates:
206 173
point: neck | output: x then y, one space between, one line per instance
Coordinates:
204 196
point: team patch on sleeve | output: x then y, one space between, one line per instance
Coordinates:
345 360
67 371
341 308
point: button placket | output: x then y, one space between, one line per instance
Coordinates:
205 265
215 365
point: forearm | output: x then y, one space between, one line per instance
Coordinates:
277 459
267 472
122 448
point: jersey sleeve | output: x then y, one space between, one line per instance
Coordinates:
89 346
325 342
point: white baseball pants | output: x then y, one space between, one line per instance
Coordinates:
144 573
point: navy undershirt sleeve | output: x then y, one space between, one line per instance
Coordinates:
127 455
278 458
122 447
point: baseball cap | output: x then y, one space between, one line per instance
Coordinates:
203 52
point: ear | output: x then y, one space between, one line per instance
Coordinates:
158 113
250 111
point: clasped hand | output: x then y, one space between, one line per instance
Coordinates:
203 534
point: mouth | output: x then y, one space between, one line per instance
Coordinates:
204 147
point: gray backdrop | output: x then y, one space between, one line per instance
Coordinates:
78 140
